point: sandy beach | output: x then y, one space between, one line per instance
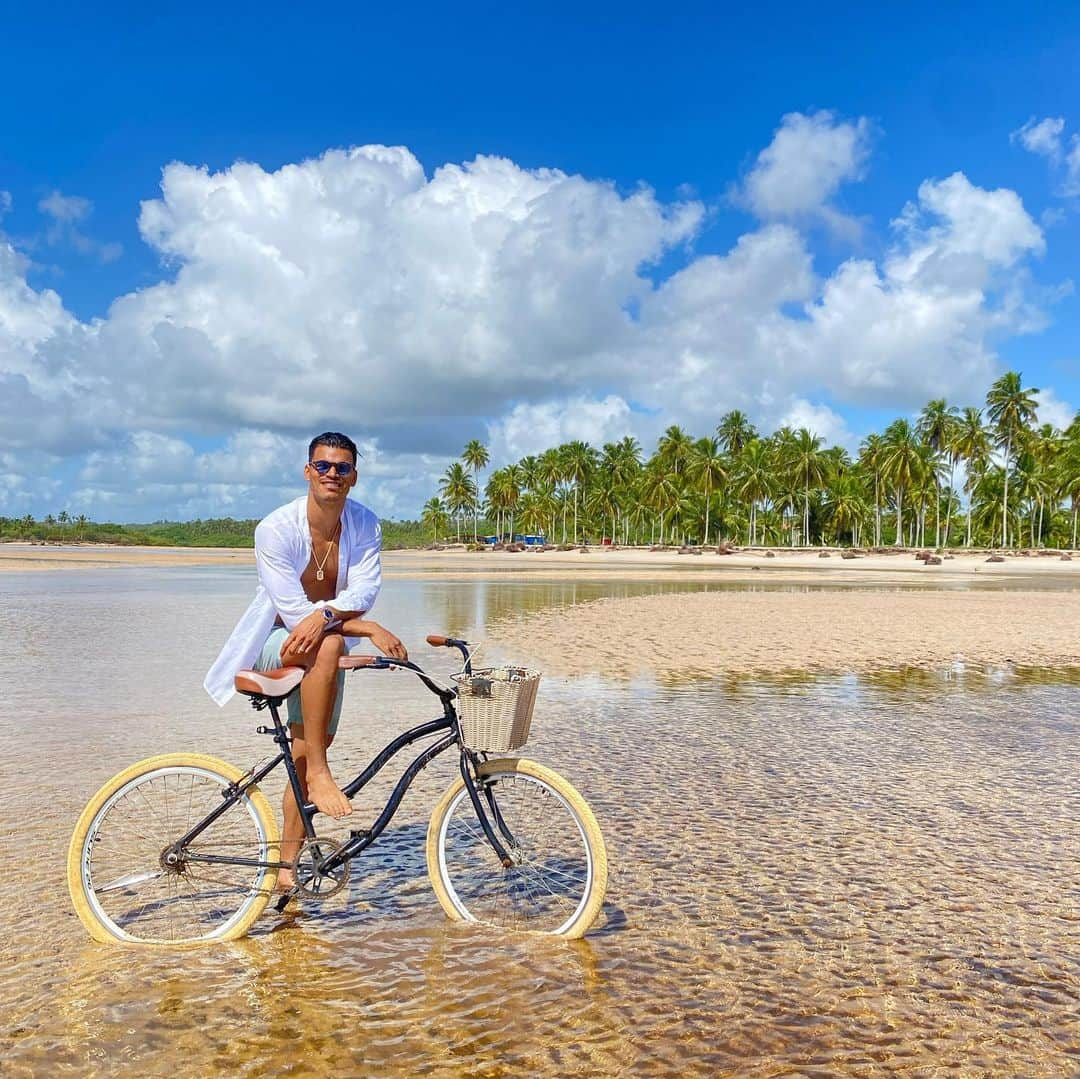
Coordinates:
625 563
874 612
773 633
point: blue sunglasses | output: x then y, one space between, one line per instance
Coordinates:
342 468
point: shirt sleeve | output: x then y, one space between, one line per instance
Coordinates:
280 577
364 578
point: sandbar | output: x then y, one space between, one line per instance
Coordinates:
776 632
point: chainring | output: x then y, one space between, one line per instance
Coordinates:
310 883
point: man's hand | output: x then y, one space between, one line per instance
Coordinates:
386 642
309 631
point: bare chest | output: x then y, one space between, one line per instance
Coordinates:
319 579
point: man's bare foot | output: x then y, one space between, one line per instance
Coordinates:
327 795
285 882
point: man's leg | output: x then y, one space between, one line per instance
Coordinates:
292 831
318 694
310 741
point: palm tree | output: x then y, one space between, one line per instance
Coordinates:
1068 470
808 466
579 462
1046 446
459 491
529 472
735 432
602 501
1011 410
971 444
475 455
755 480
846 501
537 508
660 491
434 516
871 454
707 467
936 425
674 448
900 467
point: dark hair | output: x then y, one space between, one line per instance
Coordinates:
335 441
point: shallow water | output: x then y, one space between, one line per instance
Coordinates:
841 877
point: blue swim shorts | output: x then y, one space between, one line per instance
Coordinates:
270 659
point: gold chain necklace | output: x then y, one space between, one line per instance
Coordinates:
319 575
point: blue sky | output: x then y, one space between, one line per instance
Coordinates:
817 216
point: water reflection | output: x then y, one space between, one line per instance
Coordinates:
808 876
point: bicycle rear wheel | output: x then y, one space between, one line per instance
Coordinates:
122 888
557 882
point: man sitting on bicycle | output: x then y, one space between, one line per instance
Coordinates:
319 574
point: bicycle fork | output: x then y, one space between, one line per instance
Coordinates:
470 764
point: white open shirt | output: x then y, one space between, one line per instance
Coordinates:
282 553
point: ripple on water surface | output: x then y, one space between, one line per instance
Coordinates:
820 878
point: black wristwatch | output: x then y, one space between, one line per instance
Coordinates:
328 616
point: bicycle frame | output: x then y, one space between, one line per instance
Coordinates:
360 839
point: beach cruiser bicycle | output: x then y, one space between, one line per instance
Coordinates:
184 848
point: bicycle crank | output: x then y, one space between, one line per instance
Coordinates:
311 883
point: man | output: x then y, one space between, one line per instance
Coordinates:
319 574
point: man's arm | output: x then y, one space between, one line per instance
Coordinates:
385 641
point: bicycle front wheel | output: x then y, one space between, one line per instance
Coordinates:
559 874
124 888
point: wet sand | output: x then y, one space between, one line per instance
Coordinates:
773 632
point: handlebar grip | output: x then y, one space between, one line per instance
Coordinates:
352 663
437 640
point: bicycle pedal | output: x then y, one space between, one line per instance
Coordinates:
284 900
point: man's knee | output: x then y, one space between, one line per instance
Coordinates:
331 649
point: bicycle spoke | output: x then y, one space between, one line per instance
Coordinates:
142 896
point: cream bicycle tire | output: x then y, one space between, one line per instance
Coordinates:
205 776
471 885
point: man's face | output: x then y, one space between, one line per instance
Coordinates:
331 485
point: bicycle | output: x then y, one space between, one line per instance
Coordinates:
184 848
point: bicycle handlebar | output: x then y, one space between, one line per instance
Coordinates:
383 663
438 640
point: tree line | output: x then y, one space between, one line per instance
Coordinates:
213 532
988 476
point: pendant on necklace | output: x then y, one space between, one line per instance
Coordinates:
319 575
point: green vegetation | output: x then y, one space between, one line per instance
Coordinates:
219 532
1021 485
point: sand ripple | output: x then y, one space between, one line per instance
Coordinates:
773 631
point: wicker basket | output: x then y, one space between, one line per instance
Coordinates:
495 706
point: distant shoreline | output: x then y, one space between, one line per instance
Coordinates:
825 565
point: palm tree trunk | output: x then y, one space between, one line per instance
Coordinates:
1005 498
899 518
877 509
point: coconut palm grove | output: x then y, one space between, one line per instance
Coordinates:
984 475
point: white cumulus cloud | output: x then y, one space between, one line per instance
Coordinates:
356 292
800 171
533 428
1046 138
